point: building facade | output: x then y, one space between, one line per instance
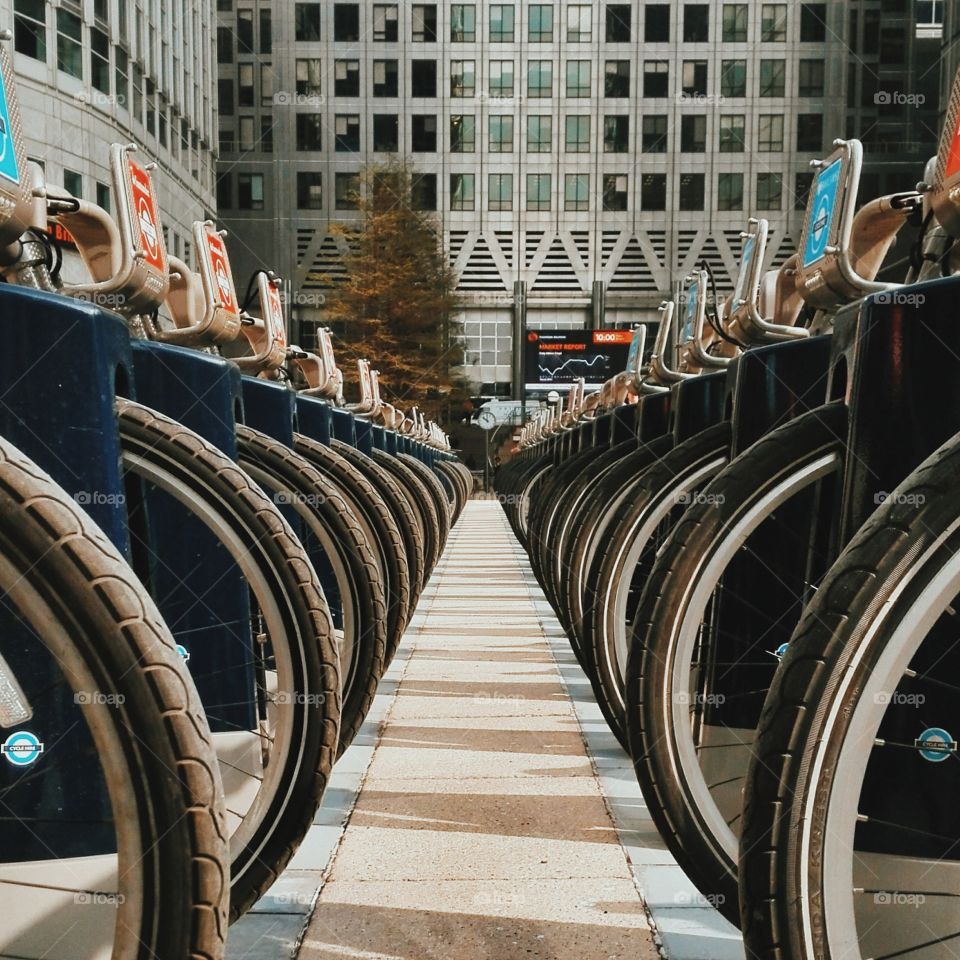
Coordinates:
95 72
580 158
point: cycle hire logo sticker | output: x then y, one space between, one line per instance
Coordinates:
953 154
822 207
275 314
21 748
935 744
744 272
145 215
220 269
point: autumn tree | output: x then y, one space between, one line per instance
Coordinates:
397 304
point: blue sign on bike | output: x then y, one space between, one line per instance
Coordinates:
8 154
745 263
822 206
636 345
935 744
21 748
690 312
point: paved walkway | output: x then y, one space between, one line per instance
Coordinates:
497 818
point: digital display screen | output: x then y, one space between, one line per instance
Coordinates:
822 209
554 359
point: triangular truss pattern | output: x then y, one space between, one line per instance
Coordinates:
555 270
320 265
481 271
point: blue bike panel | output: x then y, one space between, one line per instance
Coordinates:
823 205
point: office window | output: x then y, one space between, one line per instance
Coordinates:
463 22
653 191
810 78
501 22
691 191
501 134
423 130
733 78
346 22
801 190
577 139
346 78
103 196
250 191
616 78
810 131
614 192
578 78
813 22
246 133
99 60
307 78
121 75
386 133
423 78
770 132
732 133
73 183
424 18
309 190
576 191
266 134
224 45
306 20
656 23
734 24
462 191
423 191
69 46
225 101
385 23
346 187
696 23
541 23
540 78
693 133
694 78
656 78
654 134
539 134
463 82
618 22
346 128
266 31
386 78
244 31
769 190
773 22
579 23
773 78
245 85
225 192
730 191
500 191
463 133
30 28
501 78
616 134
309 126
538 191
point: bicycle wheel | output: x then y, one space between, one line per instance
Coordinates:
429 479
335 541
655 502
275 772
717 611
850 845
403 512
113 833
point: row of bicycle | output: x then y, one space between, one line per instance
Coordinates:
751 538
206 565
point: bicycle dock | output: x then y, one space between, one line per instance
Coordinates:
484 810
